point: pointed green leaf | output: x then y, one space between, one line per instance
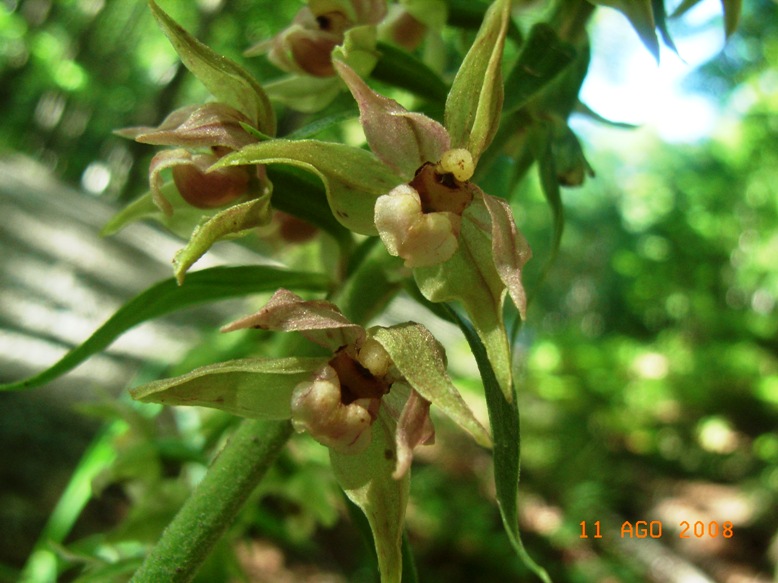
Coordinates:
471 278
258 388
542 58
231 221
504 419
475 101
165 297
352 177
367 480
420 359
641 16
225 79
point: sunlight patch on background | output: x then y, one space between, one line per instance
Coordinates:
626 84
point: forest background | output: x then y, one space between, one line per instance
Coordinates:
649 386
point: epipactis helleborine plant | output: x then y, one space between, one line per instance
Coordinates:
368 401
462 244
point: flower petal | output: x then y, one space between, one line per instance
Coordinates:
510 250
400 139
213 124
421 239
414 427
420 359
318 320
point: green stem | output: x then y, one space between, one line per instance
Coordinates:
209 511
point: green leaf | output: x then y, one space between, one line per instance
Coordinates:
353 178
406 71
367 480
165 297
641 16
231 221
225 79
504 419
257 388
420 359
474 104
542 58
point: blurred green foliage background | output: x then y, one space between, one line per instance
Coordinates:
650 358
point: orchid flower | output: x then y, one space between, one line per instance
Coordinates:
242 115
304 49
368 401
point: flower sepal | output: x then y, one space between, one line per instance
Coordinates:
257 388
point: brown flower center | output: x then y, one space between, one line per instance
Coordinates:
441 192
356 382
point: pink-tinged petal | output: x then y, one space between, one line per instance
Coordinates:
171 122
318 409
402 140
414 427
211 125
474 103
318 320
510 250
